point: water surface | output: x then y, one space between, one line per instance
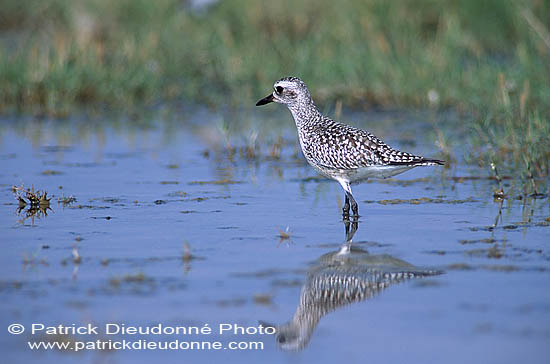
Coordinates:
201 220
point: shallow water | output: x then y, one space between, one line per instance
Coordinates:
171 227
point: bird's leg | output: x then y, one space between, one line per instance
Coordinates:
349 197
354 225
350 233
354 206
345 210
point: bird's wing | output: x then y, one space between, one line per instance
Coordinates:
340 146
364 149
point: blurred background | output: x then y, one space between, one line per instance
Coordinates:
486 60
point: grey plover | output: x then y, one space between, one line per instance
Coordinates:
339 151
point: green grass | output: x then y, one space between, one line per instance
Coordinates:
487 59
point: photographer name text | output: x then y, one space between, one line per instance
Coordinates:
159 329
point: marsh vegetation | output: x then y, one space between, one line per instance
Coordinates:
485 60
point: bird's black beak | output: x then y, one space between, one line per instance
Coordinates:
265 100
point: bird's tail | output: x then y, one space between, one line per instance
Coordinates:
420 162
430 162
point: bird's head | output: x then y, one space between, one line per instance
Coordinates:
290 91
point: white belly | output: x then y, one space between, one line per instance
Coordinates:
378 172
362 174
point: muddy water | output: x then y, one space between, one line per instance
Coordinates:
152 222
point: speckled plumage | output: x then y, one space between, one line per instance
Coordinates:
338 280
336 150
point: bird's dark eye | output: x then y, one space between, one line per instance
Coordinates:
281 339
279 90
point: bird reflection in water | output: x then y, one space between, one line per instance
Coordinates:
338 279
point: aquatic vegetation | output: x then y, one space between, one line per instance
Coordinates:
225 181
187 256
36 199
34 259
486 60
263 299
422 200
77 259
34 204
499 193
136 278
284 235
66 200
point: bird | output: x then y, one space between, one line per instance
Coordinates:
339 151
